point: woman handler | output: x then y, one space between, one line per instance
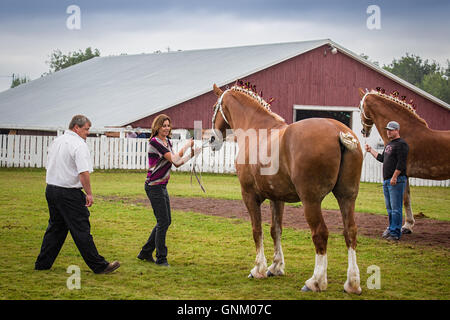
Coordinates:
160 158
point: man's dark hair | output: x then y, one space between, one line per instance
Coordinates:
79 120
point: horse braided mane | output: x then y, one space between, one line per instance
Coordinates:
393 97
250 91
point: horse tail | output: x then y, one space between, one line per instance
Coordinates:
348 140
351 162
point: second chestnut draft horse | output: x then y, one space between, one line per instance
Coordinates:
429 150
312 158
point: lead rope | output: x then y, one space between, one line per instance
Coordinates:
365 151
194 170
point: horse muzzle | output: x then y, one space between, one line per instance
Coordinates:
215 144
365 132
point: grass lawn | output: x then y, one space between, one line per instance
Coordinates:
210 257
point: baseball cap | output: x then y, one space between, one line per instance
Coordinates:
393 125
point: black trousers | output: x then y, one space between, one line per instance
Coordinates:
68 213
159 199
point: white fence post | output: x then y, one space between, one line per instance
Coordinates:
3 150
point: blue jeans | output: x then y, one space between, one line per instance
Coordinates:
393 196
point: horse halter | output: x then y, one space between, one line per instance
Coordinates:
218 107
361 109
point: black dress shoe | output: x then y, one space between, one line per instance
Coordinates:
111 267
36 267
145 258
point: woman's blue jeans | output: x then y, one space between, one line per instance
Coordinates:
393 196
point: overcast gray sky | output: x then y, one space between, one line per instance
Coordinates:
31 29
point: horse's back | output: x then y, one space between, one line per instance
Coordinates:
319 123
314 135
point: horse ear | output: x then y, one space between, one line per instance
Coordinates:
361 92
217 90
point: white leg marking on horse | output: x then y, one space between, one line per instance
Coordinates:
408 226
409 217
318 282
259 271
352 285
409 223
277 267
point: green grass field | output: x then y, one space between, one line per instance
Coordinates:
210 257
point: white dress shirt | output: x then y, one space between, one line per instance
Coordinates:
68 156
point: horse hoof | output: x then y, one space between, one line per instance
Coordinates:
270 274
406 231
350 290
257 275
306 289
358 292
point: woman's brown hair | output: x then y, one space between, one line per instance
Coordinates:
158 123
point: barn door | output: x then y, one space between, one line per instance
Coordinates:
342 114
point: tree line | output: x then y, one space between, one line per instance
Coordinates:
429 76
424 74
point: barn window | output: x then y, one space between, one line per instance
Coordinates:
342 114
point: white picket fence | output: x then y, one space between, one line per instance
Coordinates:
126 153
109 153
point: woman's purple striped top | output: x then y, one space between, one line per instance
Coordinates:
159 167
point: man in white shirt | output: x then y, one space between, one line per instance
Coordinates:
68 172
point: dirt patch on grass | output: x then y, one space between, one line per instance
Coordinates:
427 232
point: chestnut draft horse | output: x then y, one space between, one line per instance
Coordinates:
311 158
429 150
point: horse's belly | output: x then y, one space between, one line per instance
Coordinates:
277 189
286 198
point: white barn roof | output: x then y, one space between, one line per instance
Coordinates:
117 90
